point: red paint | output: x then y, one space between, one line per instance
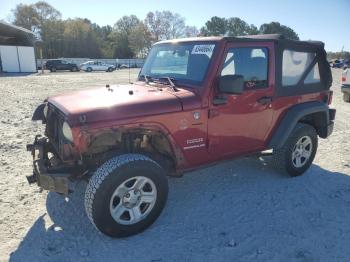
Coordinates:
242 124
239 127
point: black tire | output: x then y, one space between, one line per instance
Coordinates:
346 98
89 69
53 69
110 69
74 69
283 157
110 176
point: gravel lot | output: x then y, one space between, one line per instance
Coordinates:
238 211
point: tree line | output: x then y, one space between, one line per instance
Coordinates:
338 55
129 37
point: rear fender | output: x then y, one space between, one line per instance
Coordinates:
319 111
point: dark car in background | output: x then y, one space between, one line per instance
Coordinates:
346 64
59 64
337 63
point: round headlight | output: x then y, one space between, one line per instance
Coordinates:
67 132
46 108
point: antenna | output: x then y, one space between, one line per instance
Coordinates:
129 71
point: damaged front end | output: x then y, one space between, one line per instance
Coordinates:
44 175
53 155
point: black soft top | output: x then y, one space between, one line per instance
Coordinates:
281 44
278 38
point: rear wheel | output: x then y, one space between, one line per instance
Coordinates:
126 195
89 69
110 69
74 69
346 98
298 152
53 69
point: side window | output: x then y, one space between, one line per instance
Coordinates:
313 76
294 65
251 63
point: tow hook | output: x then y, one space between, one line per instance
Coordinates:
31 179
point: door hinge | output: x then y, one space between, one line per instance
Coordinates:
213 113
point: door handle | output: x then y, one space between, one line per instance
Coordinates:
265 100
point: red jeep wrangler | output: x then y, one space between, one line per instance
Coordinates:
196 102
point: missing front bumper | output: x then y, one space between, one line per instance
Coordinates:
56 182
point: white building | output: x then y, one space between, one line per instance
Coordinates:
17 53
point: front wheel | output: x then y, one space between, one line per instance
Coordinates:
126 195
298 152
346 98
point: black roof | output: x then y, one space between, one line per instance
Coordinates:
275 38
251 38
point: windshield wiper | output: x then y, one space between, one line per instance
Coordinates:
171 82
147 78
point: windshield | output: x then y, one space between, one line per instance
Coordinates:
183 62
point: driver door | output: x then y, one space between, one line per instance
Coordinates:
240 124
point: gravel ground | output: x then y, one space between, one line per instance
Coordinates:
237 211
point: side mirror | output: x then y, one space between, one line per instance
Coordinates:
231 84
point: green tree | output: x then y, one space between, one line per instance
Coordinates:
119 37
253 30
53 40
140 40
236 26
277 28
216 26
126 24
338 55
102 38
80 40
129 37
46 12
25 16
35 15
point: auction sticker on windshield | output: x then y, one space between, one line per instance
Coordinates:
203 50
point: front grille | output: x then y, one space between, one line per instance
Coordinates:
54 123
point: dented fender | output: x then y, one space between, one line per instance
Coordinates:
85 137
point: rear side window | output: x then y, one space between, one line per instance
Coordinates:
250 62
295 64
313 76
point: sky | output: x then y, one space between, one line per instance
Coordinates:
324 20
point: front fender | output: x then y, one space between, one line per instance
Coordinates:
39 113
85 136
